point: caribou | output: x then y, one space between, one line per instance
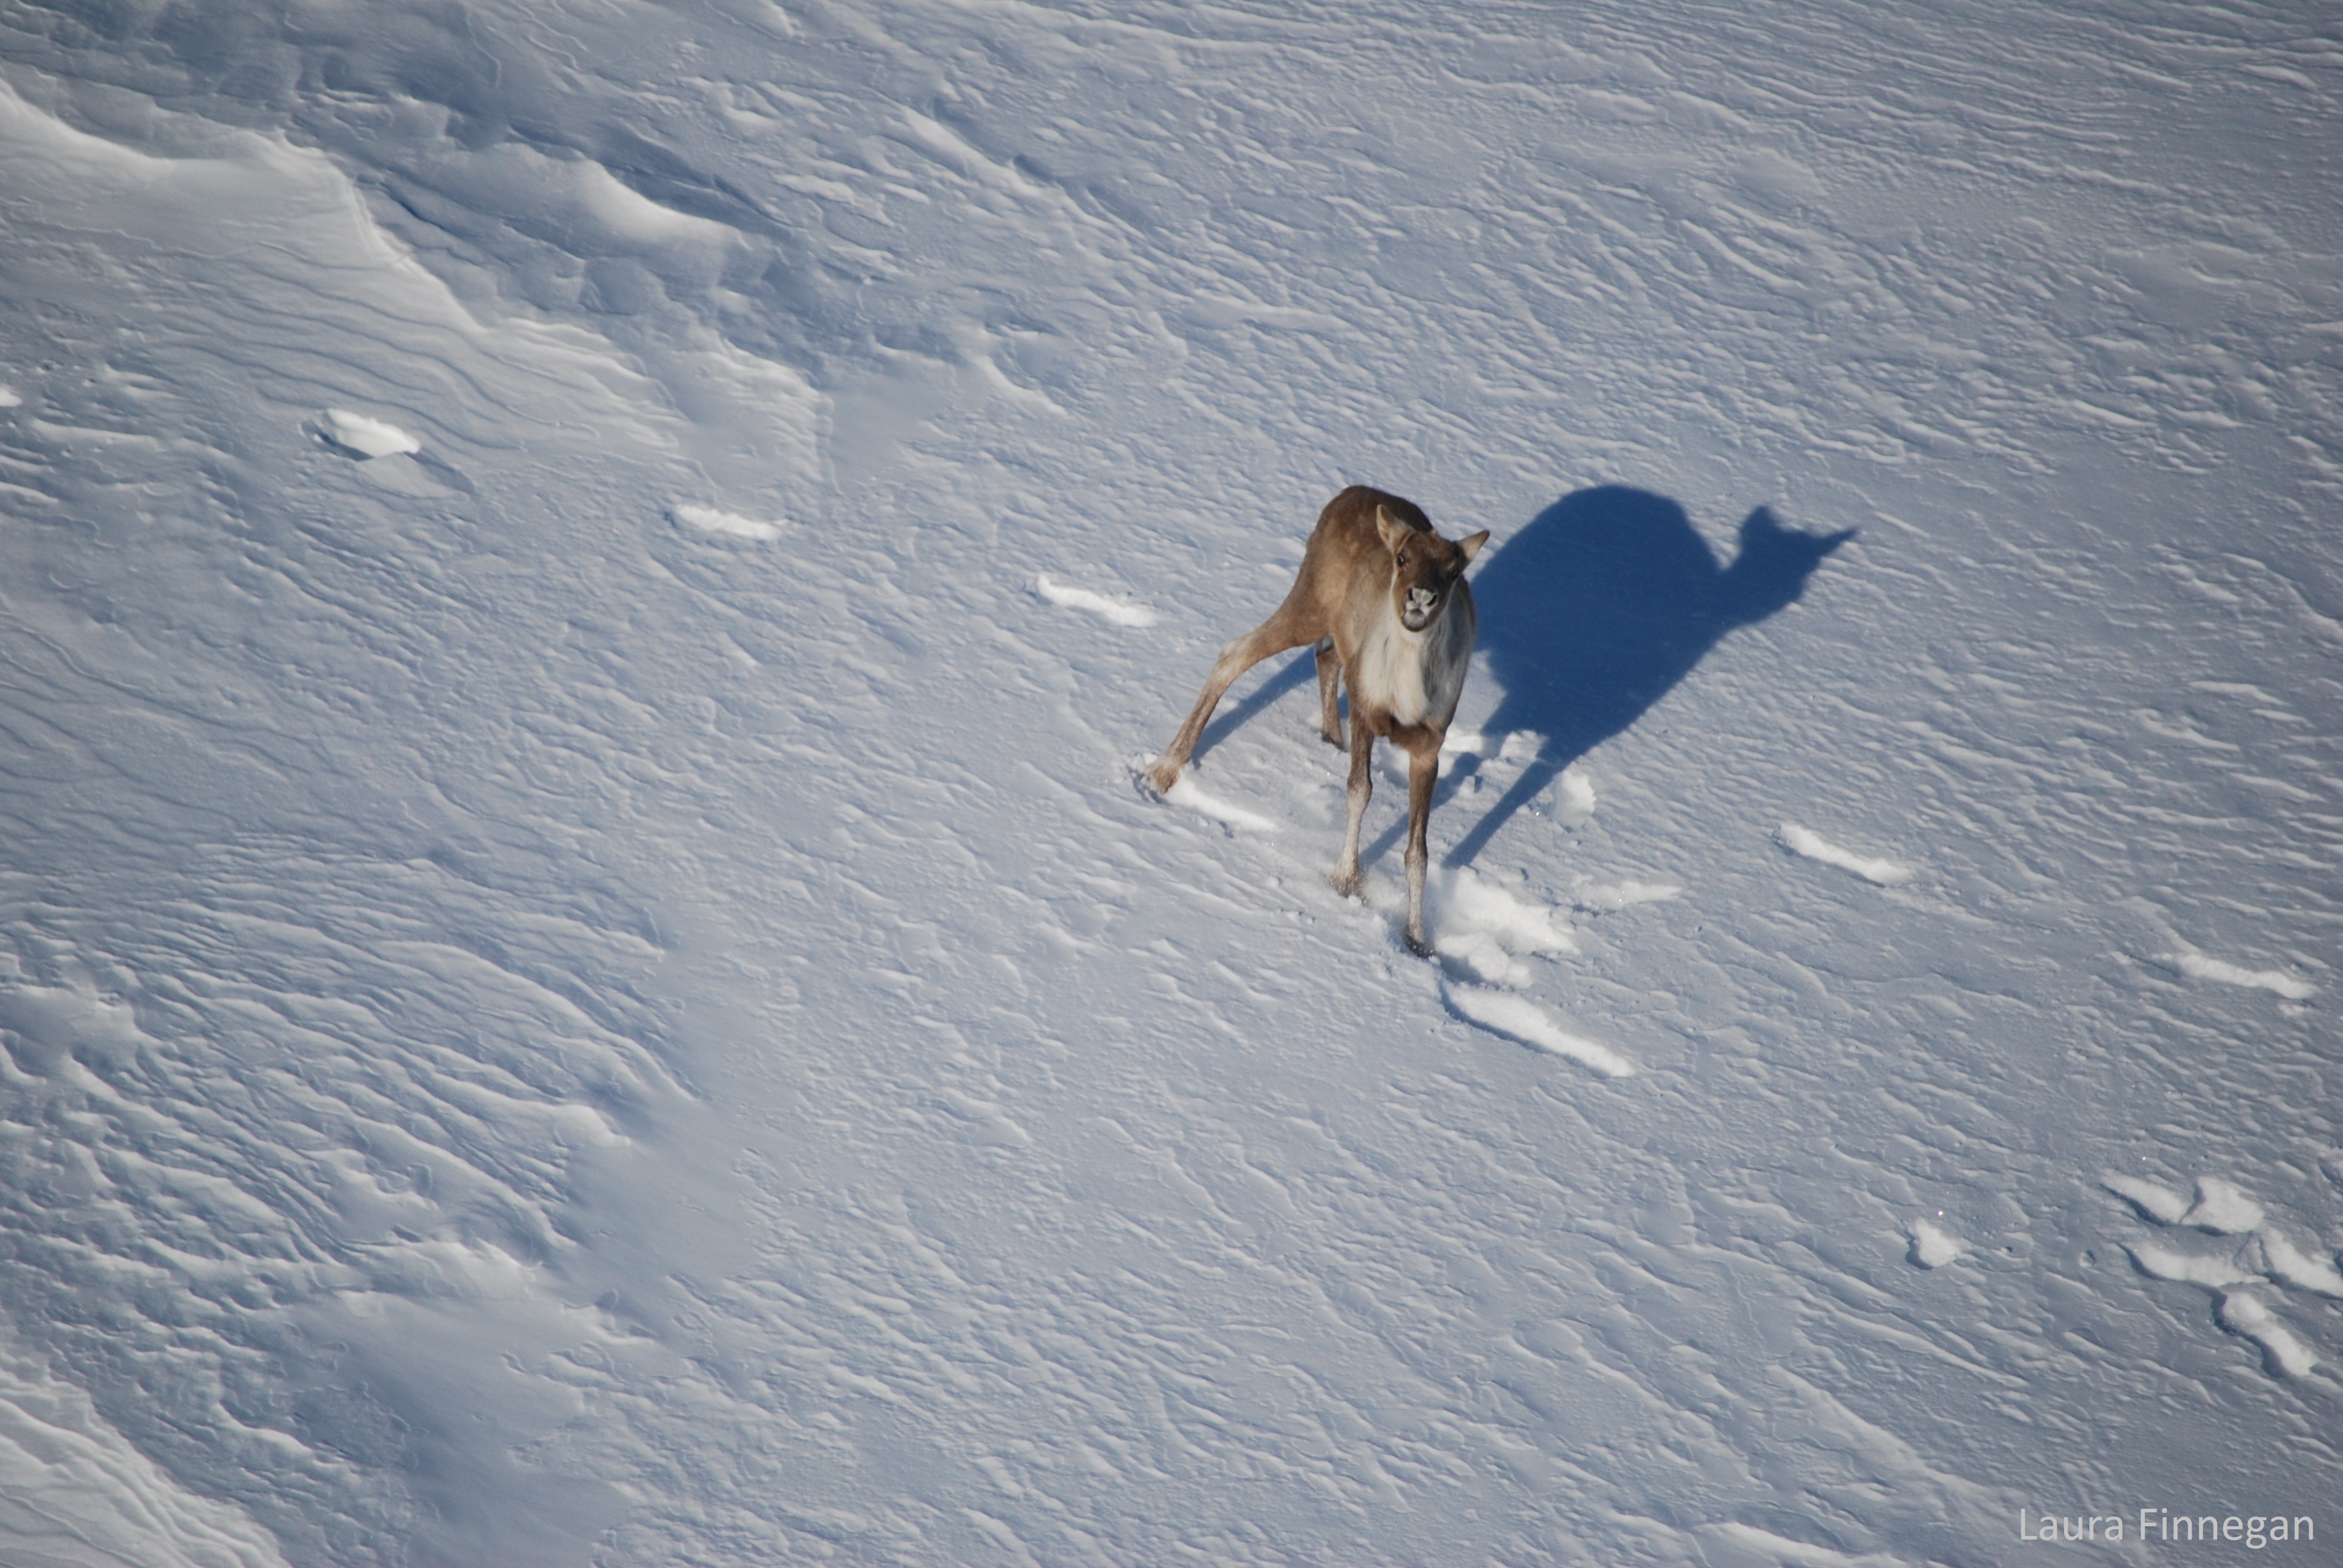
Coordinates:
1384 598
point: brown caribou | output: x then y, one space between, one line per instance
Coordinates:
1384 599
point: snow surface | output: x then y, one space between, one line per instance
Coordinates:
550 1017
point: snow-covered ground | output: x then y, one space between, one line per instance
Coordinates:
584 977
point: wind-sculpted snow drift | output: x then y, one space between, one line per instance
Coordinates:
582 978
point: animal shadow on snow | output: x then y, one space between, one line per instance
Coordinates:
1594 610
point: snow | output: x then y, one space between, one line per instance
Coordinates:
2304 1271
584 973
2250 1317
1516 1018
716 520
366 437
1932 1247
2222 1207
1106 606
2160 1204
1186 792
2196 966
1870 867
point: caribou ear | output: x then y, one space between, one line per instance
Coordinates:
1395 532
1472 544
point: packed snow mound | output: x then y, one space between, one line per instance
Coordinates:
1870 867
1106 606
2249 1315
1932 1246
2197 966
1519 1019
367 436
710 519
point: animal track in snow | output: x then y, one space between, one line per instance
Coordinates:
1121 612
2196 966
715 520
1870 867
365 437
2225 1209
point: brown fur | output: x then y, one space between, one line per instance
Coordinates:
1371 562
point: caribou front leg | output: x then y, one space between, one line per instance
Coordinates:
1361 785
1423 777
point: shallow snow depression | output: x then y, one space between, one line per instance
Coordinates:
583 977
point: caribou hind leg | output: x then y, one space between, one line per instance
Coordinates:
1329 679
1281 631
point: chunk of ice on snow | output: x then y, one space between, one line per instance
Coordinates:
1465 901
2222 1207
1607 897
1574 798
1870 867
1121 612
2166 1264
2161 1204
1520 1018
2246 1315
1933 1247
715 520
1185 792
2304 1271
2196 966
369 437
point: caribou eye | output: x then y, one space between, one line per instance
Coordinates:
1402 558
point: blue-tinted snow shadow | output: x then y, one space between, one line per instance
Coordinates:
1593 612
